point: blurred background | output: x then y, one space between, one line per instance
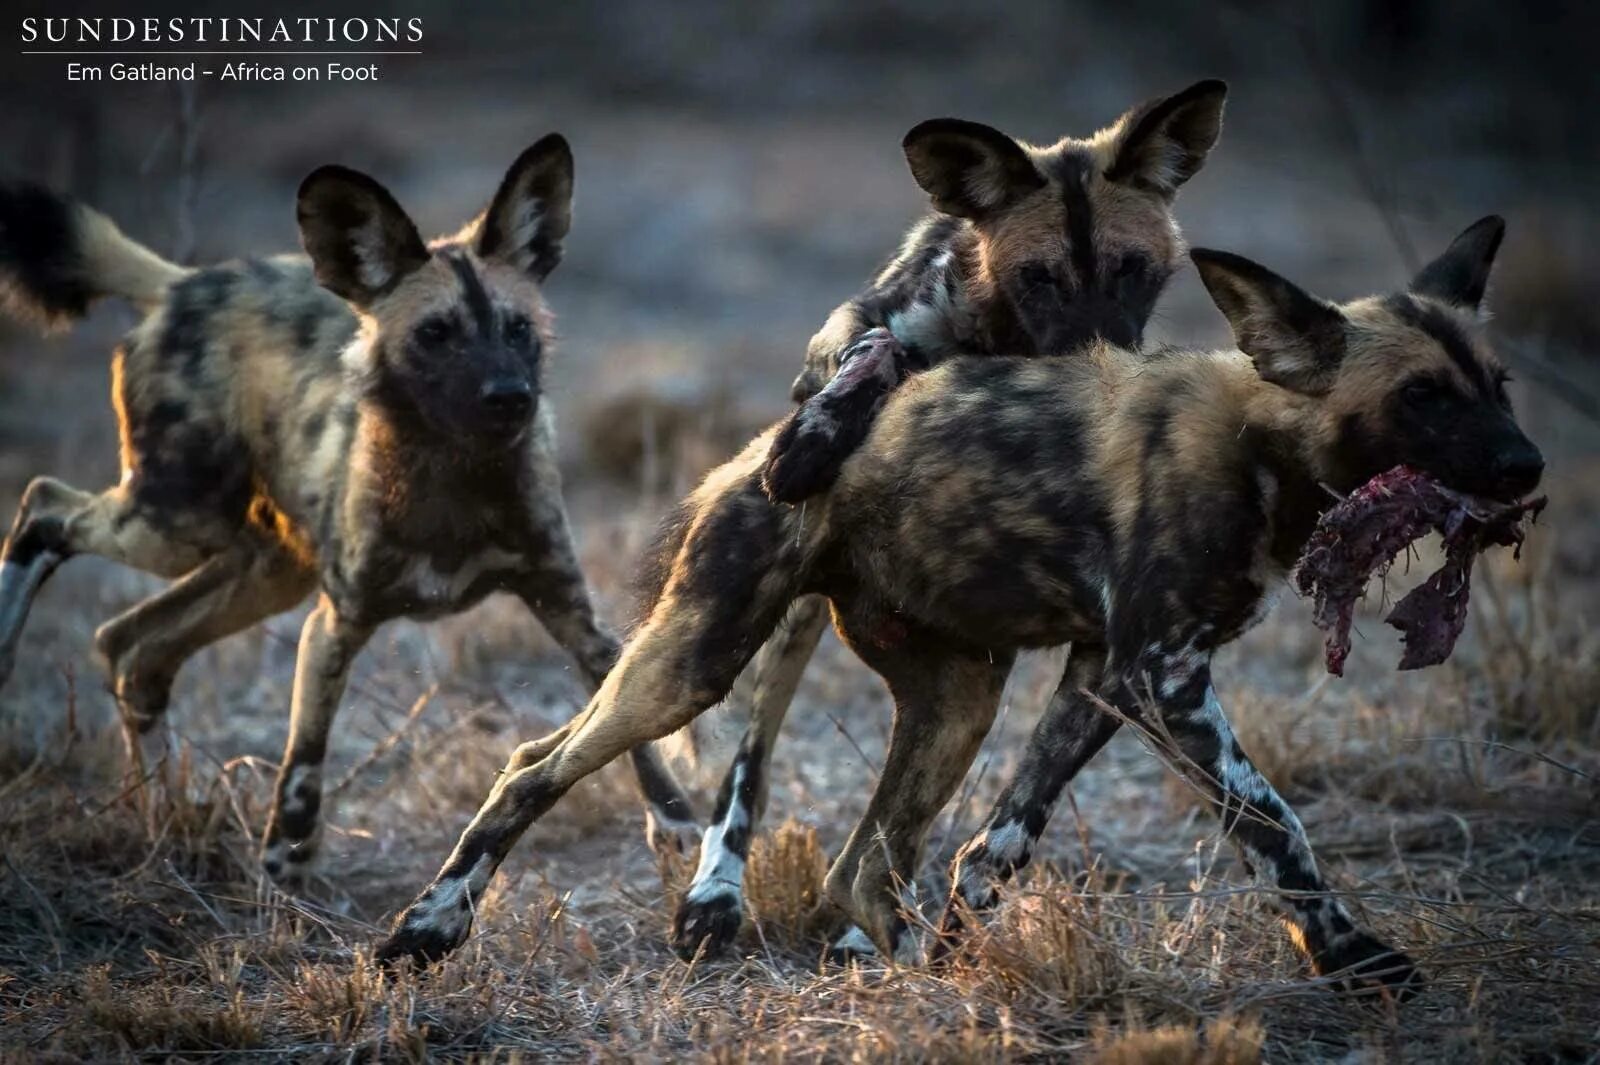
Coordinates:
738 175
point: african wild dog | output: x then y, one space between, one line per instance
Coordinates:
1145 510
364 421
1031 251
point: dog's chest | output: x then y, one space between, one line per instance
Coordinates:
425 547
429 585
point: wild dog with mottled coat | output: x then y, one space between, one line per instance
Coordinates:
1143 509
365 422
1030 251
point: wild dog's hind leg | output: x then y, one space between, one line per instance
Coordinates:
143 648
712 909
945 699
56 521
329 643
557 593
1259 822
732 575
1072 730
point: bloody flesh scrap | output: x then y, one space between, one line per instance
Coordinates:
1364 532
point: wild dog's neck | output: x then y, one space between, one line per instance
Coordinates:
1283 441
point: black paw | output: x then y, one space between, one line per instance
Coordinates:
707 927
1362 963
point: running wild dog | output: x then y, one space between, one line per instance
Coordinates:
1030 251
1144 510
364 422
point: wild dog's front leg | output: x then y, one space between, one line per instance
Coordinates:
329 643
557 593
1261 824
1072 731
808 452
711 911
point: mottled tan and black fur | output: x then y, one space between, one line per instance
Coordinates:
364 421
1144 510
1030 250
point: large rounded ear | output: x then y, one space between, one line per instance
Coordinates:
1295 339
1460 276
1165 142
531 213
971 170
360 242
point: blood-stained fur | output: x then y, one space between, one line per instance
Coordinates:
364 422
1029 251
1144 510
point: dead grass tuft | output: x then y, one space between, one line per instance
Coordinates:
784 886
1223 1041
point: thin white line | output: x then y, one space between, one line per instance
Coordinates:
218 53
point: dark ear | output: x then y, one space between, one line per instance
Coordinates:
360 242
1295 339
1460 275
531 213
971 170
1164 143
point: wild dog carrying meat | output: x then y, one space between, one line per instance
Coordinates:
1029 251
364 423
1143 510
1362 534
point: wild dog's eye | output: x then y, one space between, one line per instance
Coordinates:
518 331
432 331
1421 392
1129 266
1035 274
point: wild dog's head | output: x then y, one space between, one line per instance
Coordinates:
456 330
1076 240
1406 378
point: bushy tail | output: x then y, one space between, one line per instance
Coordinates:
57 256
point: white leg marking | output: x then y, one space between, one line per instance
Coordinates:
721 872
1003 847
301 778
447 906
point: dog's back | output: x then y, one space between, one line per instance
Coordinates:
234 384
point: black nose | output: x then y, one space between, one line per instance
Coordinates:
507 399
1518 469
